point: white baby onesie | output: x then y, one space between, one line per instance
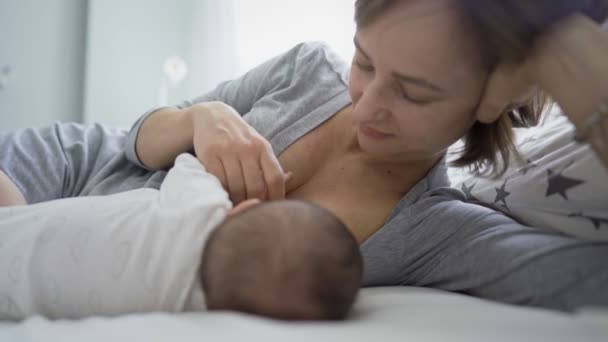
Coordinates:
137 251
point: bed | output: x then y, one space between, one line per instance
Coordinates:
380 314
407 313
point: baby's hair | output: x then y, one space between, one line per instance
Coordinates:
261 259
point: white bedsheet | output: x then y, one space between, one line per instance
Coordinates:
381 314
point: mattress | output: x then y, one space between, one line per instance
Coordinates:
380 314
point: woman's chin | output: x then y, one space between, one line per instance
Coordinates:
372 147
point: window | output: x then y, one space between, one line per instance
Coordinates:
265 28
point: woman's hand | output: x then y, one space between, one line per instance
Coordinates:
570 63
507 85
234 152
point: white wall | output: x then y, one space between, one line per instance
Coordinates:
128 41
43 43
101 60
213 45
266 28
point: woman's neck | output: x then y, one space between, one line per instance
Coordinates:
402 172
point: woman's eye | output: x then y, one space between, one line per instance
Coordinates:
413 100
364 67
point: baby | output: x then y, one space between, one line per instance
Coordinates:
180 248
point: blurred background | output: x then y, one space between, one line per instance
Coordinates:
109 61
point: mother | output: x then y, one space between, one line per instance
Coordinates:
369 143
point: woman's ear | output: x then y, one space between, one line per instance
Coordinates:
507 84
244 205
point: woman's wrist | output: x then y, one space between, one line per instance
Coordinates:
188 121
162 136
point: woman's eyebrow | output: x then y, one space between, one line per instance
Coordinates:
418 81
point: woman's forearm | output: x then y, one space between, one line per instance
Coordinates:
163 136
9 192
572 66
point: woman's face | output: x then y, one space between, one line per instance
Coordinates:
416 79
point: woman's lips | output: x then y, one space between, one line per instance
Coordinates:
372 133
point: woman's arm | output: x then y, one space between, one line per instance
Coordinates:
212 125
9 192
164 134
156 139
445 243
230 149
571 64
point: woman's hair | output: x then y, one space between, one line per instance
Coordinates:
506 30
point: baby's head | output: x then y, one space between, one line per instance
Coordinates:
283 259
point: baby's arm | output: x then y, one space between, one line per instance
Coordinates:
9 192
77 257
111 255
125 253
188 185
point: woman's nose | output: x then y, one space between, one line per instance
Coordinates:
372 105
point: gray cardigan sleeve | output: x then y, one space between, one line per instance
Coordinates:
243 92
443 242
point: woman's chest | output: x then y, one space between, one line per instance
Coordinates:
360 198
363 209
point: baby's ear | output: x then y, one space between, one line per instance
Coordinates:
244 205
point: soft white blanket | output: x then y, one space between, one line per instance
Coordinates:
381 314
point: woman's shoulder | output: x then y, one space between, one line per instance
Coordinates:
303 88
317 58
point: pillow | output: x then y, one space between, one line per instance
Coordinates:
561 184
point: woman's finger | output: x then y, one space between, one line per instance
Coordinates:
234 178
273 176
255 186
215 167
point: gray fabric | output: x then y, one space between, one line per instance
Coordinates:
432 237
68 160
283 98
